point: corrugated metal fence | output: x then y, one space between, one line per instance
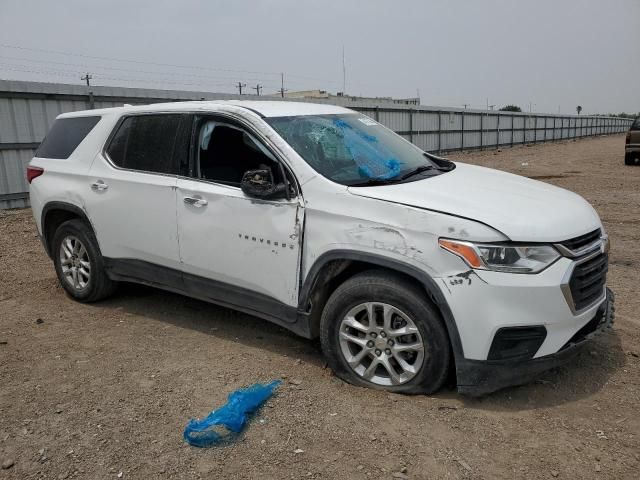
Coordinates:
27 110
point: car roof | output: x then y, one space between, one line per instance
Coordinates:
264 108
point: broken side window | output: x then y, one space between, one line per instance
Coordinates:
226 151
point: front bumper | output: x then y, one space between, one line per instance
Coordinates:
480 377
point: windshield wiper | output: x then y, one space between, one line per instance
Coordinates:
387 181
372 182
416 171
442 164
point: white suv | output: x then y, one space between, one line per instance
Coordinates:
407 266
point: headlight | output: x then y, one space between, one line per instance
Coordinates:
502 258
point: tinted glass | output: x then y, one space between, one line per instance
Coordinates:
636 124
148 143
350 149
65 136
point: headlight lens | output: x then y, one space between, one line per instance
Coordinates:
502 258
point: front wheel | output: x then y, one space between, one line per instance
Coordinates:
378 330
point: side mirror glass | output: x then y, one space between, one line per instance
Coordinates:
260 184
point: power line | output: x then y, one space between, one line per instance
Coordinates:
84 66
159 64
109 77
141 62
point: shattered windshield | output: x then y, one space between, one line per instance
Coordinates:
352 149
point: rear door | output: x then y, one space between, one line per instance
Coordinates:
132 203
242 248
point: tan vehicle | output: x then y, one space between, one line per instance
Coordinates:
632 145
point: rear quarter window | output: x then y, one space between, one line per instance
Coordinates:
65 136
636 124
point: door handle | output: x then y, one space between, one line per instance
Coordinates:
99 186
195 201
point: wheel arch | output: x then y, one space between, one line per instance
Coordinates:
55 214
333 267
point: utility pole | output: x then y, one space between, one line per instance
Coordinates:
87 77
465 105
344 74
258 88
240 86
282 90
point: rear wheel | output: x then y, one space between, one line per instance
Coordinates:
378 330
630 159
79 264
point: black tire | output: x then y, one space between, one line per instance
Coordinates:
99 285
629 159
395 290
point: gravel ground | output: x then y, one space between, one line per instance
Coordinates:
105 390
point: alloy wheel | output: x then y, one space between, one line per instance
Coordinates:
381 344
74 262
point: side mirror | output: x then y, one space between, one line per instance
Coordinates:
260 184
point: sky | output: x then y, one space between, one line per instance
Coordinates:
544 55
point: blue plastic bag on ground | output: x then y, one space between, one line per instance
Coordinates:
232 416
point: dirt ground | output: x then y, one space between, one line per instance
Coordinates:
105 390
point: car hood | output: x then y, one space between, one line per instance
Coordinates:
522 209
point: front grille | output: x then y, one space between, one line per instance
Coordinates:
577 243
588 280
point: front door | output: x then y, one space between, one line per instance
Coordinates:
242 248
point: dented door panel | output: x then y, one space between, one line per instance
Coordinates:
251 244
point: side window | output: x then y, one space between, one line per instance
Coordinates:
65 136
150 143
224 152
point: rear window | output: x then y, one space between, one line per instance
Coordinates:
65 136
148 143
636 124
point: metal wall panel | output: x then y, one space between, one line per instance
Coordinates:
471 140
397 121
421 141
452 120
431 142
490 122
13 166
425 121
505 136
451 141
472 122
518 136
